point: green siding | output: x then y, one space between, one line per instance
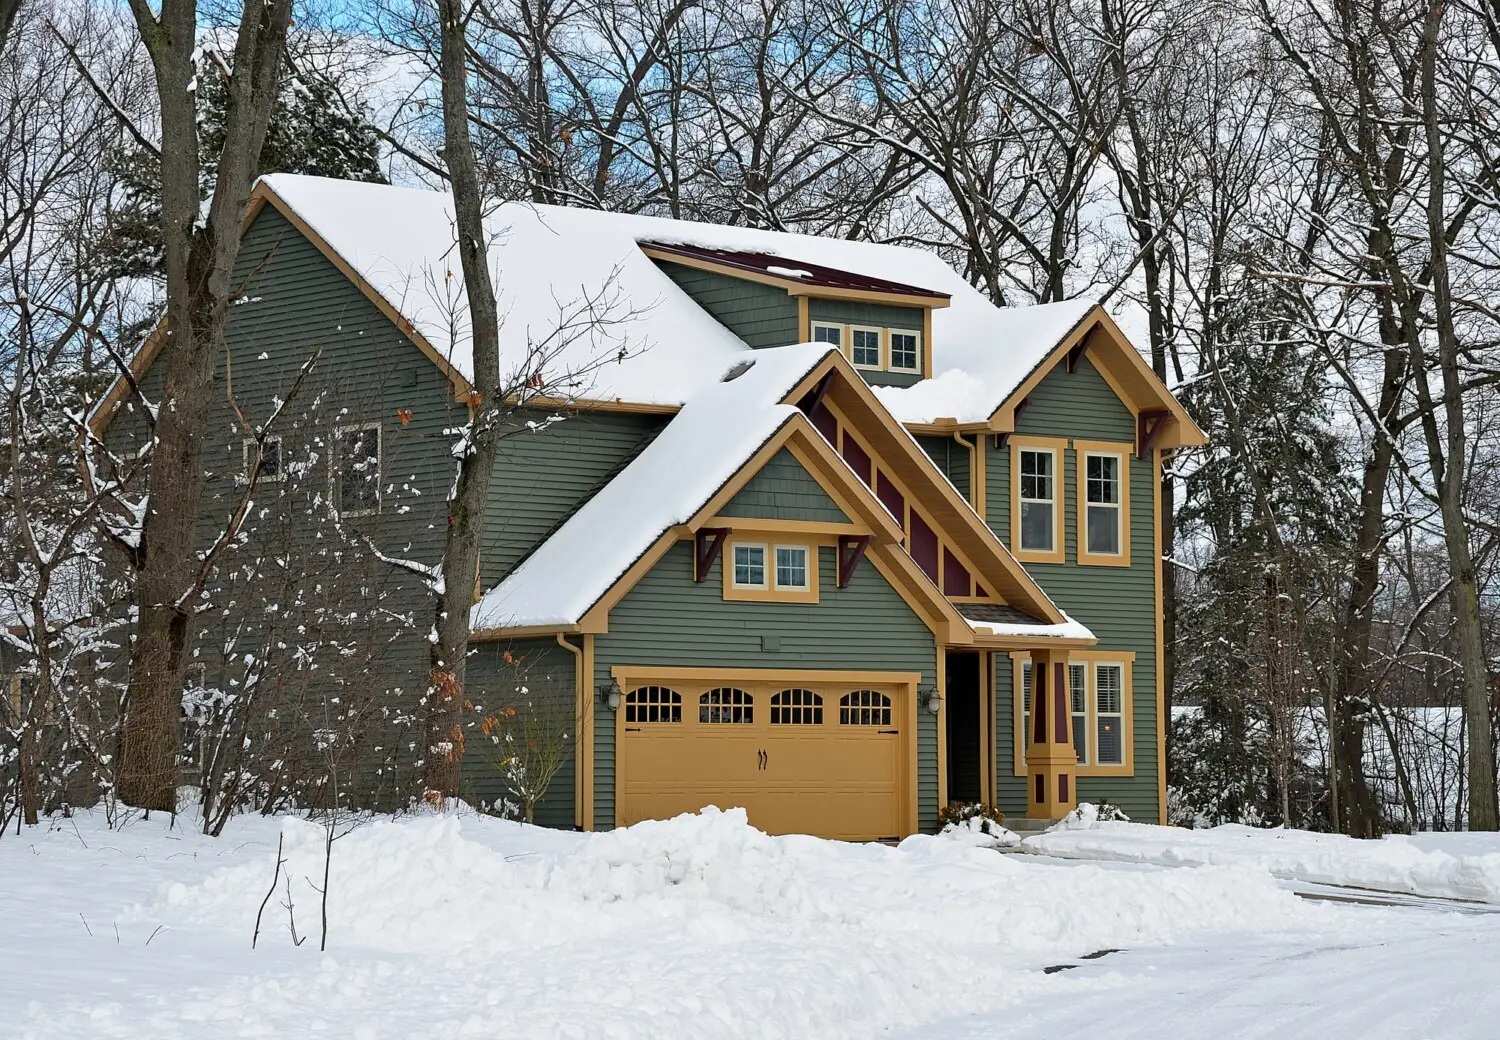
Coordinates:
952 458
783 489
858 312
542 676
1117 603
543 472
761 315
671 621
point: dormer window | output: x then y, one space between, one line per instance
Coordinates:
906 351
873 348
864 347
833 334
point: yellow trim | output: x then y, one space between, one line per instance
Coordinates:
810 528
795 286
596 620
890 365
771 592
804 321
1082 449
592 404
490 635
1126 660
1160 574
901 571
1059 448
927 344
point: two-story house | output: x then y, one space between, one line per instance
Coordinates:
823 532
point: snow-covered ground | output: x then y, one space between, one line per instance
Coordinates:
444 926
1448 865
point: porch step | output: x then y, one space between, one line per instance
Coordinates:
1025 826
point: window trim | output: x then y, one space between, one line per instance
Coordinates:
771 591
1093 659
881 348
734 566
1058 447
807 566
1081 451
245 447
336 466
891 355
843 331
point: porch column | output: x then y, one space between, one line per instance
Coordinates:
1051 762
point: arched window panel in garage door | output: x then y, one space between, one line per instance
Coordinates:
726 704
653 704
864 708
796 707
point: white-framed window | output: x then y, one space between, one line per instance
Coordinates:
357 469
1038 499
906 351
1104 492
791 567
270 458
1078 697
1025 707
864 346
822 332
750 566
1109 712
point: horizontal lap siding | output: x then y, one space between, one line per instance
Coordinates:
541 475
761 315
784 490
539 673
669 620
952 458
1117 603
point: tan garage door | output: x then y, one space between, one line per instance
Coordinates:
824 758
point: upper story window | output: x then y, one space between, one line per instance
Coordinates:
758 570
1037 499
872 347
750 566
791 566
1103 503
270 458
357 469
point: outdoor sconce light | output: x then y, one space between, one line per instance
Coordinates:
610 695
931 698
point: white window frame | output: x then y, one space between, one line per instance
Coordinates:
247 456
842 330
880 351
1054 502
807 565
765 570
891 349
1080 719
1099 716
1118 506
338 466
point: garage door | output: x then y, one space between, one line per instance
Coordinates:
801 757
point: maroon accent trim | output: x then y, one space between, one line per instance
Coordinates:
979 591
825 423
891 498
817 274
1060 711
851 550
1076 354
1038 705
1148 430
708 543
1041 789
924 546
1062 787
813 399
858 461
956 580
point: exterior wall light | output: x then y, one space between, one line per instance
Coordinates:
930 697
610 695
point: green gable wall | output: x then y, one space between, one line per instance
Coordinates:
784 490
952 458
1117 603
669 620
539 675
858 312
761 315
541 475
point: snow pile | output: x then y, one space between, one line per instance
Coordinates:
1466 870
980 833
1087 816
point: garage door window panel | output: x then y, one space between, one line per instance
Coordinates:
796 707
864 708
726 705
653 704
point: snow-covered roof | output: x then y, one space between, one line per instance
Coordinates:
1069 629
703 446
549 262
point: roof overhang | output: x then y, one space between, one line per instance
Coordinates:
891 293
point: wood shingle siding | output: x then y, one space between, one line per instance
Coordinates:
668 620
541 476
1118 604
784 490
761 315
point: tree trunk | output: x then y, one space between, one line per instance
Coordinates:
460 570
199 263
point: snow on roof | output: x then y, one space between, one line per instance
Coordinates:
703 446
1069 629
548 261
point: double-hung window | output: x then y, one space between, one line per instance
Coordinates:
1038 483
1103 503
1098 691
357 469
